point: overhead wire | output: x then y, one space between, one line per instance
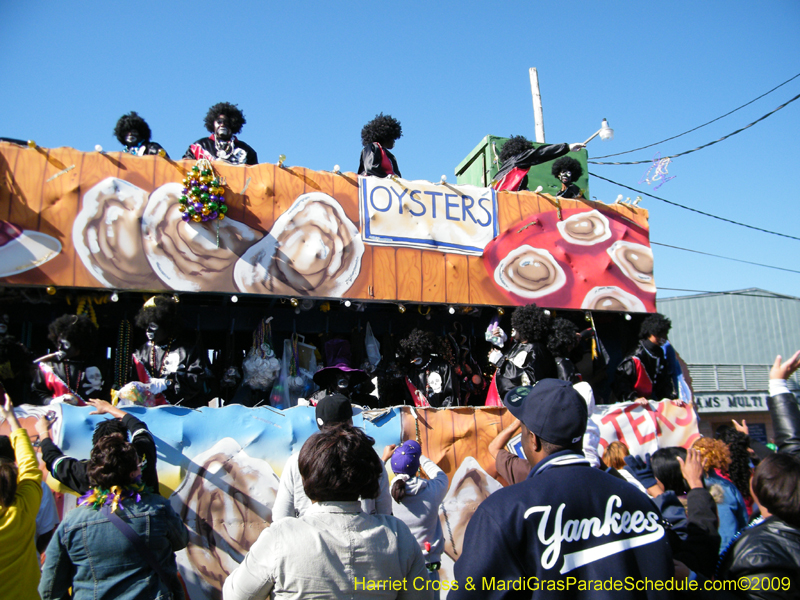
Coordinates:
704 124
724 137
652 243
706 214
746 293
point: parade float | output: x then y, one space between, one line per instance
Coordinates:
272 237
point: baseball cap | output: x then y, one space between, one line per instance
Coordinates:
334 408
406 458
552 409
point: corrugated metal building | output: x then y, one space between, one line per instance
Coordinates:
729 340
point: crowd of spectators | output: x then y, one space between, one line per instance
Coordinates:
722 512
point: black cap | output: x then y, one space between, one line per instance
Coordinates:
552 409
334 408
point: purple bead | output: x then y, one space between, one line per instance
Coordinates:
213 215
204 187
198 206
185 217
205 218
194 183
221 199
212 198
185 191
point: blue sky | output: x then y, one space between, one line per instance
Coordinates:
308 75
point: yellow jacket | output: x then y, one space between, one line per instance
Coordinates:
19 561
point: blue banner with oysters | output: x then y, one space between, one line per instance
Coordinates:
418 214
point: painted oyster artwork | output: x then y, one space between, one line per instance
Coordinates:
312 249
191 256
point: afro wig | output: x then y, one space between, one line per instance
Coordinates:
516 144
132 122
78 329
656 324
162 310
563 337
567 163
531 323
235 116
419 343
382 129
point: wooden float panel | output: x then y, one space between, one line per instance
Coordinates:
42 189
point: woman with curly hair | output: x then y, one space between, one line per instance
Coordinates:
528 360
133 132
73 376
120 541
741 468
568 170
732 513
518 155
223 121
429 377
20 496
378 137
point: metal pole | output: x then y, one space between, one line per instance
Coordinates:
538 113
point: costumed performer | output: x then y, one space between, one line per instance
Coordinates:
133 132
528 360
378 137
518 155
645 374
71 374
223 121
429 377
168 362
339 377
568 170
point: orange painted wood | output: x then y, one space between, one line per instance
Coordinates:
508 212
457 278
481 288
28 178
409 274
433 277
60 205
259 202
384 275
8 161
447 436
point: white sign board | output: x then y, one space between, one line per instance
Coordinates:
720 402
459 219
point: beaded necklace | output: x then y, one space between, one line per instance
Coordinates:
122 360
98 497
66 376
161 367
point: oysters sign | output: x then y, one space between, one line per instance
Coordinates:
459 219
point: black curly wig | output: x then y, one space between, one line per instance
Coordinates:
419 343
235 116
78 329
165 313
739 469
563 337
656 324
567 163
382 129
516 144
132 121
531 324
